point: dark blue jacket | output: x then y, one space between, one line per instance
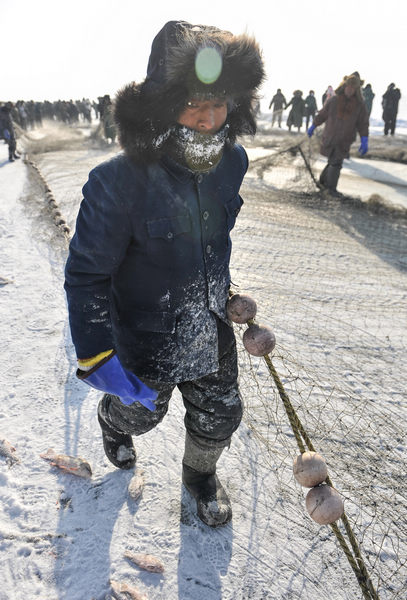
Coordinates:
6 123
148 267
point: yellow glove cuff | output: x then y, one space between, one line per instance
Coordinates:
91 362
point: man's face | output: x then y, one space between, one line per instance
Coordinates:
349 91
205 116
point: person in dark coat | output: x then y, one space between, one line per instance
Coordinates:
390 104
278 102
109 127
7 131
368 96
344 115
147 277
297 111
310 107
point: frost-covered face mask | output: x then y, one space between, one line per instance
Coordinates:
198 151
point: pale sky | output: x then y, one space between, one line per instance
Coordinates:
86 48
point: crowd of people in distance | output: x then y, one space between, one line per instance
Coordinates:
307 108
29 115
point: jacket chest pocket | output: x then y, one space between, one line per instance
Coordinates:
167 228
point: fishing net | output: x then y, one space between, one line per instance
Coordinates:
329 276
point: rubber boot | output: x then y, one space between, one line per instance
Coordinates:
118 445
12 150
331 178
322 185
200 479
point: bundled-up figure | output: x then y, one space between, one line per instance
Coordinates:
147 277
310 107
278 102
109 127
297 111
390 104
344 115
368 96
7 132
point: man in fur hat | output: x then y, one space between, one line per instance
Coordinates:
344 115
147 276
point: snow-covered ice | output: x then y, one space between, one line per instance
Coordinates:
332 284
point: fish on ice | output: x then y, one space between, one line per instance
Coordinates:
8 451
122 591
70 464
136 485
148 562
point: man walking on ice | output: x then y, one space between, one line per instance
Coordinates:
147 277
344 115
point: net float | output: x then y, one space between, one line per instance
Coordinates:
310 469
259 340
241 309
324 504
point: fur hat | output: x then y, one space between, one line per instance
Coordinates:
189 61
355 81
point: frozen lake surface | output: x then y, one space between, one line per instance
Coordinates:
330 278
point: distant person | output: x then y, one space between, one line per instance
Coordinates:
109 127
95 107
256 107
390 104
368 96
7 131
297 111
101 100
310 107
278 102
86 109
22 114
344 114
329 92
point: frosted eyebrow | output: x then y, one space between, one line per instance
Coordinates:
216 101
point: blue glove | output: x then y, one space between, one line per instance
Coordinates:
363 145
6 134
310 130
112 378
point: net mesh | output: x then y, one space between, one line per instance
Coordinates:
329 277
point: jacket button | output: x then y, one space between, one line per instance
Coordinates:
199 178
170 235
208 249
205 215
